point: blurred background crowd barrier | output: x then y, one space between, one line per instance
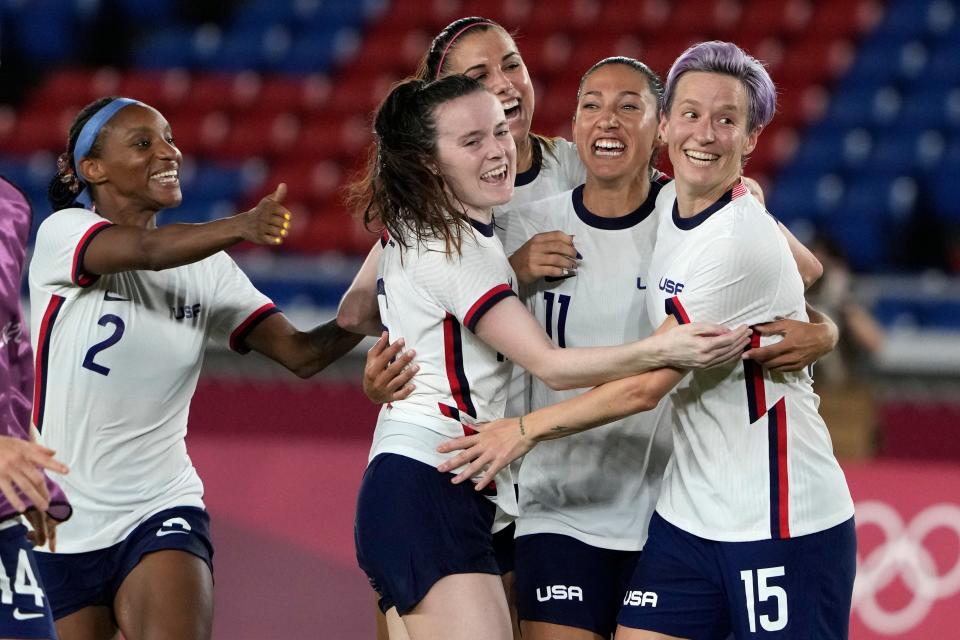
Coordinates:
862 162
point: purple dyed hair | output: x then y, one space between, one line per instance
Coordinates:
729 59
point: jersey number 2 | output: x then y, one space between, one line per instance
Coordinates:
764 593
563 301
111 340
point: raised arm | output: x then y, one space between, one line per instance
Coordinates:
358 311
510 329
123 247
502 441
809 266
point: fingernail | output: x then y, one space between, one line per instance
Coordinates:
416 368
283 232
276 241
286 216
285 224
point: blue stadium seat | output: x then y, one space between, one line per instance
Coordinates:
172 47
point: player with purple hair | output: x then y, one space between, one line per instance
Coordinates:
753 531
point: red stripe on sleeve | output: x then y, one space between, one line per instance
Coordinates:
236 338
77 276
480 306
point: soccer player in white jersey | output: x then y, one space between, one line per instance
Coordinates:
484 50
595 521
443 158
753 532
121 312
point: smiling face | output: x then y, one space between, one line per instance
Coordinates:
706 133
491 57
138 164
475 152
615 126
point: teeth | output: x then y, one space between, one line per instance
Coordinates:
701 156
495 174
607 143
511 104
162 175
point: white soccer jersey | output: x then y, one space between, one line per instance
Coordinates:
434 302
553 171
599 486
118 358
752 457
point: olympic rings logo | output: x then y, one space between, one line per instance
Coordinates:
903 555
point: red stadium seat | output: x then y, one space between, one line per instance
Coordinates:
844 19
296 94
164 90
390 50
640 18
786 20
817 61
71 86
224 91
571 16
41 129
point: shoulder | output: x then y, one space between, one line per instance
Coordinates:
69 222
564 152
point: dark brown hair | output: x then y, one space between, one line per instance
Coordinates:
66 185
401 188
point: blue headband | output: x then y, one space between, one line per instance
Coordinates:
88 134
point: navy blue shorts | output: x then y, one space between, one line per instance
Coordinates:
415 527
92 578
703 589
564 581
504 548
24 605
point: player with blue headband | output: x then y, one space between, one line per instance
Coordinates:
121 312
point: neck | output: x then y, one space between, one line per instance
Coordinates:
691 201
524 154
615 198
125 213
483 216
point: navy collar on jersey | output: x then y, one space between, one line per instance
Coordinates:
528 176
693 222
484 229
633 218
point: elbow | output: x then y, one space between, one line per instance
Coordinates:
638 397
556 383
812 272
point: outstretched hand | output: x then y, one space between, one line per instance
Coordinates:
495 445
269 221
701 346
387 374
21 464
545 254
803 344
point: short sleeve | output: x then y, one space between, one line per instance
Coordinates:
469 285
62 241
239 307
733 282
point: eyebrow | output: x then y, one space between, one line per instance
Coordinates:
471 134
619 95
722 107
484 65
